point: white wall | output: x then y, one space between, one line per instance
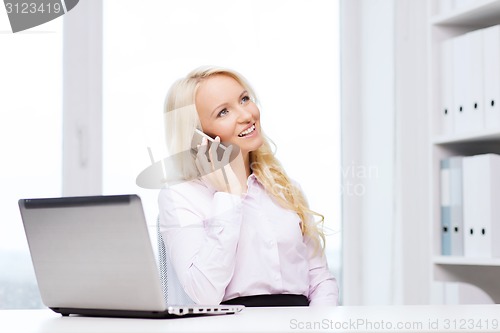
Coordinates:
82 100
382 53
368 214
412 213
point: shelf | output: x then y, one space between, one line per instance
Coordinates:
484 135
463 261
484 273
481 15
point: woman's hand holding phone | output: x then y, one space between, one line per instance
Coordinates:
217 172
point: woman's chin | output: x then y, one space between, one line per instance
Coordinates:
254 145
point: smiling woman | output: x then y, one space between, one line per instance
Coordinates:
288 49
234 236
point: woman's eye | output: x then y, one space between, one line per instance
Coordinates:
245 99
222 113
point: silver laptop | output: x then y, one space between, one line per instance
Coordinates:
93 256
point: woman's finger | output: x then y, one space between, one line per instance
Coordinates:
213 153
199 167
227 155
203 146
202 161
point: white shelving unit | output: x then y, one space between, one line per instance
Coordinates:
481 272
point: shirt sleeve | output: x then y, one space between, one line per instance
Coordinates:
323 288
202 249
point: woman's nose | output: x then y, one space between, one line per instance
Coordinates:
244 115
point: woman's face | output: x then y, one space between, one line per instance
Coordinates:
226 110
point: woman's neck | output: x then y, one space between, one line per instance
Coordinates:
246 161
241 167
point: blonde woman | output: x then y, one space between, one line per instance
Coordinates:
238 231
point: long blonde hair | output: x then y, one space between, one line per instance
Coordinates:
181 119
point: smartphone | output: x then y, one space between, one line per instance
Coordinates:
198 139
198 136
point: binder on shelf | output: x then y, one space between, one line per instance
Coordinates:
456 206
460 78
451 206
446 79
491 70
468 82
475 85
481 209
445 207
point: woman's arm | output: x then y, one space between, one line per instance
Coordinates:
323 288
202 249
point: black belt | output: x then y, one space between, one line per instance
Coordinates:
269 300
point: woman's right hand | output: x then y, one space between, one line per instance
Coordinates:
217 172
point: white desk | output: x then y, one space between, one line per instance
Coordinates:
465 318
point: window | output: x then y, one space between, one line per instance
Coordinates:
288 50
31 145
